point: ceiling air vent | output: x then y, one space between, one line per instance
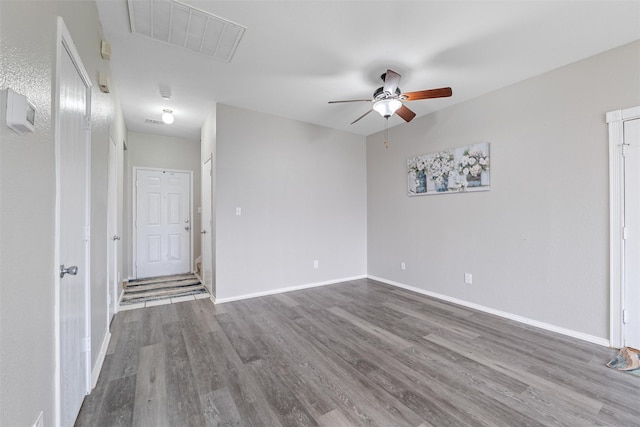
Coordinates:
154 122
178 24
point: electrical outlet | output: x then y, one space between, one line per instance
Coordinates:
468 278
315 263
403 266
238 211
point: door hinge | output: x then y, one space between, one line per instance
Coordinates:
625 233
624 149
87 123
87 233
625 316
87 344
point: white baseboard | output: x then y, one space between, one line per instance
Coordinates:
542 325
95 372
289 289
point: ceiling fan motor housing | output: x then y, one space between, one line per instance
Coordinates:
381 94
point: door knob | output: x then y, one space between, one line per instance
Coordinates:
116 237
73 270
187 228
203 232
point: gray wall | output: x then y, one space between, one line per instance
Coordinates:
27 195
537 243
302 190
155 151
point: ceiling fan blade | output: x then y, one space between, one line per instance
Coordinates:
429 93
391 81
362 116
406 114
350 100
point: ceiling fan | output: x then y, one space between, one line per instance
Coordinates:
388 99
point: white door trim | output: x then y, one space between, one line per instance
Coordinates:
64 42
112 230
134 213
615 120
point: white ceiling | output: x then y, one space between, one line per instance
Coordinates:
295 56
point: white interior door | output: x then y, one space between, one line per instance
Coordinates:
207 255
163 223
72 230
113 240
631 292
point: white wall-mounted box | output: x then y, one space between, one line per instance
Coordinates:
21 113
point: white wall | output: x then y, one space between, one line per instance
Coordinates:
155 151
27 195
537 243
302 191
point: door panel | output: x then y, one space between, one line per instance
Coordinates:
163 223
72 211
631 291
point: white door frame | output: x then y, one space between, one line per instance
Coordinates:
207 225
65 43
615 120
112 230
134 204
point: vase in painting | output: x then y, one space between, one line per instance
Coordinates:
442 184
421 182
473 181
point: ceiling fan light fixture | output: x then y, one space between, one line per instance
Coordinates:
386 107
167 116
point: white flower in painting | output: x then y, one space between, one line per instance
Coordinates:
473 162
416 164
440 165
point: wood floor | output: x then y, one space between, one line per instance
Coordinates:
358 353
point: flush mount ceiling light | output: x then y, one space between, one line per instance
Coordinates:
181 25
167 116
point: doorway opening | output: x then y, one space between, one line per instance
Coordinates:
624 178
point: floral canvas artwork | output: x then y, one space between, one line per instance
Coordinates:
461 169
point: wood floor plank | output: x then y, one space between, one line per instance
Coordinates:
334 418
183 402
220 409
358 353
150 404
117 407
374 330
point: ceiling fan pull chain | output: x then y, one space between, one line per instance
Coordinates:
386 132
